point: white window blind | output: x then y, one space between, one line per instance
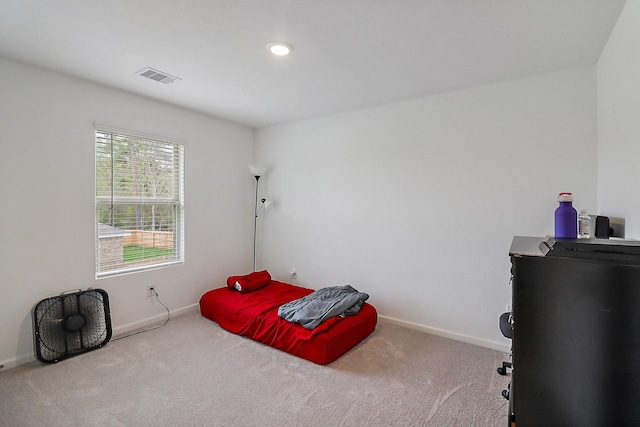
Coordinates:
139 203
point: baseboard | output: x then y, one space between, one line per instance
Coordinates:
16 361
150 321
117 332
505 347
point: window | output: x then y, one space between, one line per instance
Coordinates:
139 203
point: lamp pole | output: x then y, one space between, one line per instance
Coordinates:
255 224
257 171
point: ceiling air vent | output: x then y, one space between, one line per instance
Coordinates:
159 76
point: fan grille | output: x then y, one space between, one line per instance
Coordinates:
71 324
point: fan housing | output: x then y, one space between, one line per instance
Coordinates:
71 324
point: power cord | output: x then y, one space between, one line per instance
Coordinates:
155 327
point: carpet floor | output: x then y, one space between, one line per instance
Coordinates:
193 373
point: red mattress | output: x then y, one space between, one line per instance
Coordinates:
255 315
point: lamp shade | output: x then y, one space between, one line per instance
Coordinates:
258 170
266 203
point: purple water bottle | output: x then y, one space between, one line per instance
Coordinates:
566 218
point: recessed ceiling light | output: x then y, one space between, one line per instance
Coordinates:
280 48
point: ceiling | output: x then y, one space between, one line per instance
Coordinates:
349 54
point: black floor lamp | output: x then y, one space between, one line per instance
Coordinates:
257 171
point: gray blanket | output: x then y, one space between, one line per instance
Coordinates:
323 304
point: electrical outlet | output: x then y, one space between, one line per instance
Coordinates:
151 291
293 275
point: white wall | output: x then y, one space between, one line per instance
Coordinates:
47 193
416 202
619 122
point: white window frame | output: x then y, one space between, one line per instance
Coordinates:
106 196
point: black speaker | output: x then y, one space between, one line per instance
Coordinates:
602 227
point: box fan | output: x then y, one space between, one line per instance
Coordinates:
71 324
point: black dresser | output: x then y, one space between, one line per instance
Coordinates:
575 333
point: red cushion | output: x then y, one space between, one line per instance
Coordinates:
250 282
